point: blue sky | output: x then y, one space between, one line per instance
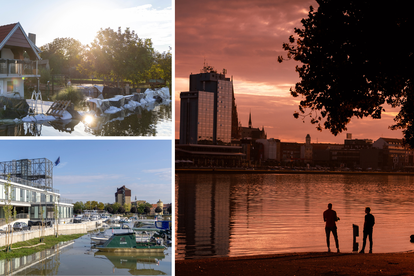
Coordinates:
93 169
82 19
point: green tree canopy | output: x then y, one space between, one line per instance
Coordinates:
121 210
101 206
115 207
354 60
118 55
79 206
63 54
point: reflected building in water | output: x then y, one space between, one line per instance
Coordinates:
203 215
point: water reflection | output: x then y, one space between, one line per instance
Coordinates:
78 258
135 264
152 120
47 259
237 215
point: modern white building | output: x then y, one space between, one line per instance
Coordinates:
31 191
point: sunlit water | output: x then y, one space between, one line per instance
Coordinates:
251 214
153 120
77 258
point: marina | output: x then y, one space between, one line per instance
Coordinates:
60 259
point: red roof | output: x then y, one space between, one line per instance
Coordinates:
5 30
13 36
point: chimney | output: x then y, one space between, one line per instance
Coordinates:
32 37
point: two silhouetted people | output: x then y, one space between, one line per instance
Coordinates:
368 227
330 217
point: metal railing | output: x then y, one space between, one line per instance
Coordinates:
29 183
65 200
18 67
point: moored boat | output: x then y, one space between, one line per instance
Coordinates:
126 242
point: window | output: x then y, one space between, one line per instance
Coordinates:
9 86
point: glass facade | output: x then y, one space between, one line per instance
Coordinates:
224 108
205 124
38 200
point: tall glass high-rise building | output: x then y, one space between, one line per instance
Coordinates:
206 110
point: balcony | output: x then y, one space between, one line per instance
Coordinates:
19 68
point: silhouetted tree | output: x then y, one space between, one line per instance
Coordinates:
121 210
354 60
147 209
110 209
158 209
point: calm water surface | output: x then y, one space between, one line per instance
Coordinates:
251 214
152 120
77 258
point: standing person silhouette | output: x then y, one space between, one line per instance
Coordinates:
368 227
330 217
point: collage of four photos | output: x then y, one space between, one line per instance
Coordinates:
180 137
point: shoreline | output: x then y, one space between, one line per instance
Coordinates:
258 171
311 263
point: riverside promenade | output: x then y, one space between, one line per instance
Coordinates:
63 229
318 263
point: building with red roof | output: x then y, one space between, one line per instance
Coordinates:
19 58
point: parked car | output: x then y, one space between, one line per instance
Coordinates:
39 223
20 226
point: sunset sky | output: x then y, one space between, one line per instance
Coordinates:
245 37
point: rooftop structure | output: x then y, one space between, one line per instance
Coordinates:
36 173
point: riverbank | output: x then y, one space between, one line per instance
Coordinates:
269 171
32 246
301 264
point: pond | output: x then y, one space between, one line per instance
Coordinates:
78 258
151 120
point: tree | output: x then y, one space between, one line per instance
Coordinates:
110 210
158 209
118 55
134 210
7 210
101 206
141 207
347 70
147 209
127 207
121 210
63 54
115 207
78 206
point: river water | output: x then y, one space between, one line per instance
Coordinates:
152 120
250 214
78 258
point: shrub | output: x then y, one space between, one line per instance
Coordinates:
69 94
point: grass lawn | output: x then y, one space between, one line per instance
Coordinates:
48 241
